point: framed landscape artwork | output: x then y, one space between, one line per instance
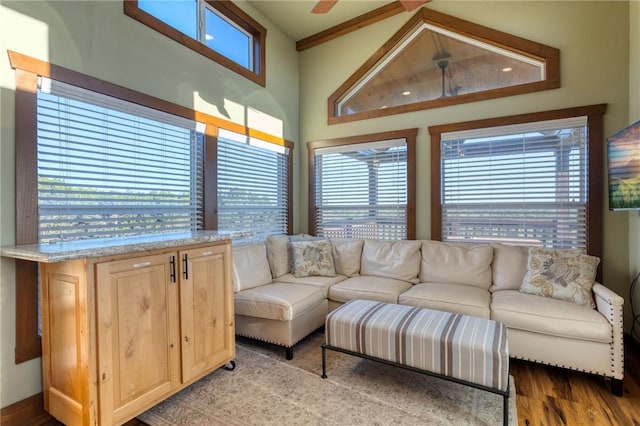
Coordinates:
623 150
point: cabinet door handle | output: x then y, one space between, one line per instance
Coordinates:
172 272
185 266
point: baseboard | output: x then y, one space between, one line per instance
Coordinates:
29 411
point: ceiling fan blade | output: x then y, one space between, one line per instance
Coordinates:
409 5
323 6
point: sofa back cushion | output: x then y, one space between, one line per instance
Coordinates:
391 259
456 264
509 266
346 256
250 266
279 255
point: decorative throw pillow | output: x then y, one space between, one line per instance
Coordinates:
312 258
561 275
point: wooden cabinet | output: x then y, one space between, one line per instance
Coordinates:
121 334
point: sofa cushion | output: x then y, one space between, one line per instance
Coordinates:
312 259
278 255
456 298
250 266
278 301
346 256
509 266
456 264
554 317
561 275
369 288
399 260
322 282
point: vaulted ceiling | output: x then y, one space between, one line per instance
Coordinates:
295 19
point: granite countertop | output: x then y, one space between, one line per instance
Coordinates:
58 252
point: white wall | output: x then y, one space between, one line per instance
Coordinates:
593 38
634 115
98 39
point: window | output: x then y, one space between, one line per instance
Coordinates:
527 183
436 60
175 134
253 185
109 168
363 187
214 28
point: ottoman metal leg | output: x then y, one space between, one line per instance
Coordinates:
324 362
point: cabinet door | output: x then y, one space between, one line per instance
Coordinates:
206 310
138 359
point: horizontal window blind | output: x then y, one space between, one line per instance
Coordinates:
522 184
108 168
361 190
253 185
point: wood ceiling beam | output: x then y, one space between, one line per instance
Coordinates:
346 27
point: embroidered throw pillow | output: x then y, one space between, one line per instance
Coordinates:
561 275
312 259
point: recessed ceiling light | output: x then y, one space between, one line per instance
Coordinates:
406 93
507 69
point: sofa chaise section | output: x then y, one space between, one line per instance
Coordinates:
278 312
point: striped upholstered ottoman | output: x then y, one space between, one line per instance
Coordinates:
461 348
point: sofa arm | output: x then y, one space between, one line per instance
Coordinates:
609 304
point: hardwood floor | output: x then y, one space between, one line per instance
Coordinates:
554 396
548 396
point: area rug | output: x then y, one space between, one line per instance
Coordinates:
265 389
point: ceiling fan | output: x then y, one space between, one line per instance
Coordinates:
323 6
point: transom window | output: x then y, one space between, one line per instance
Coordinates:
363 187
528 183
436 60
217 29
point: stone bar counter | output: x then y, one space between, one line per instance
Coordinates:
71 250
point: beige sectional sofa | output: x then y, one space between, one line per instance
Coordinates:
276 305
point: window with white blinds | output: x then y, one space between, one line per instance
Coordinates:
109 168
518 184
361 190
253 185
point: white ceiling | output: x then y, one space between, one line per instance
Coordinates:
295 19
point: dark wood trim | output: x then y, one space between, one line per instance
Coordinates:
290 207
29 411
27 344
547 54
210 178
411 184
311 178
409 135
595 203
436 206
231 11
351 25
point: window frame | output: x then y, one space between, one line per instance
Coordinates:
233 14
595 167
27 70
547 54
410 137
